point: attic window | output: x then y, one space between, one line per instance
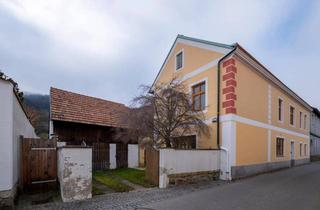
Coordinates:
179 60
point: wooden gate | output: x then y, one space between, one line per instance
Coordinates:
38 166
100 156
152 165
122 155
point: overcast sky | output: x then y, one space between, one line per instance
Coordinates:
108 48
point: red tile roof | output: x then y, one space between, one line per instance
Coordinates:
73 107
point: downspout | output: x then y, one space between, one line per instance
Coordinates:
218 93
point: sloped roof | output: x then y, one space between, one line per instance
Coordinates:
74 107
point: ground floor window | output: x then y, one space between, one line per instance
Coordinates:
185 142
279 147
300 149
305 150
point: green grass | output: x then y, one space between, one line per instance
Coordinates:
105 178
135 176
96 191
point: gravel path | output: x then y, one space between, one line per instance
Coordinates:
130 200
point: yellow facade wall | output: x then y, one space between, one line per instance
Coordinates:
252 94
251 144
287 147
287 101
253 103
195 58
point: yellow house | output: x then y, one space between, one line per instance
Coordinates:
255 120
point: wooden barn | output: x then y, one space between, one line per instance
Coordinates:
78 119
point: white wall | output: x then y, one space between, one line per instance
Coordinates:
13 124
133 155
6 132
21 127
75 173
112 157
228 146
173 161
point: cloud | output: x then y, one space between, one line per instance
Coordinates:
82 26
108 48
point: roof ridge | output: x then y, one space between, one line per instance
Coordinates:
206 41
67 91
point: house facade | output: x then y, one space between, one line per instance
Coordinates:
14 123
315 134
255 120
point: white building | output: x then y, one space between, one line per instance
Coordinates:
315 133
13 124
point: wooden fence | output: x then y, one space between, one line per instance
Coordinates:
38 166
152 165
100 156
122 155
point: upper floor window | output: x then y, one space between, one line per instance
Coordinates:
300 120
280 105
279 148
179 60
199 96
292 112
305 121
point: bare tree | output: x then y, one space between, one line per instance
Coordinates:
33 114
165 112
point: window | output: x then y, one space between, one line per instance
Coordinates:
300 120
279 149
292 110
280 102
184 142
300 149
305 121
179 60
199 96
305 150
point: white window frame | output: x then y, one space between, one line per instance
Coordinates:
175 60
205 80
282 110
284 147
294 115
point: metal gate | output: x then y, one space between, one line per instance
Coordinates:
100 156
38 164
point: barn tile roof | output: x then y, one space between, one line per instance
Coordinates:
73 107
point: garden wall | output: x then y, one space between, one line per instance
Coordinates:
75 172
179 166
133 155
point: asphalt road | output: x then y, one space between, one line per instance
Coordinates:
294 188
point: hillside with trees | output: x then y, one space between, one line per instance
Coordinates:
37 106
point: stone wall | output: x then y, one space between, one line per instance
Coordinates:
75 173
191 178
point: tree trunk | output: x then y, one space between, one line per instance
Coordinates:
168 143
